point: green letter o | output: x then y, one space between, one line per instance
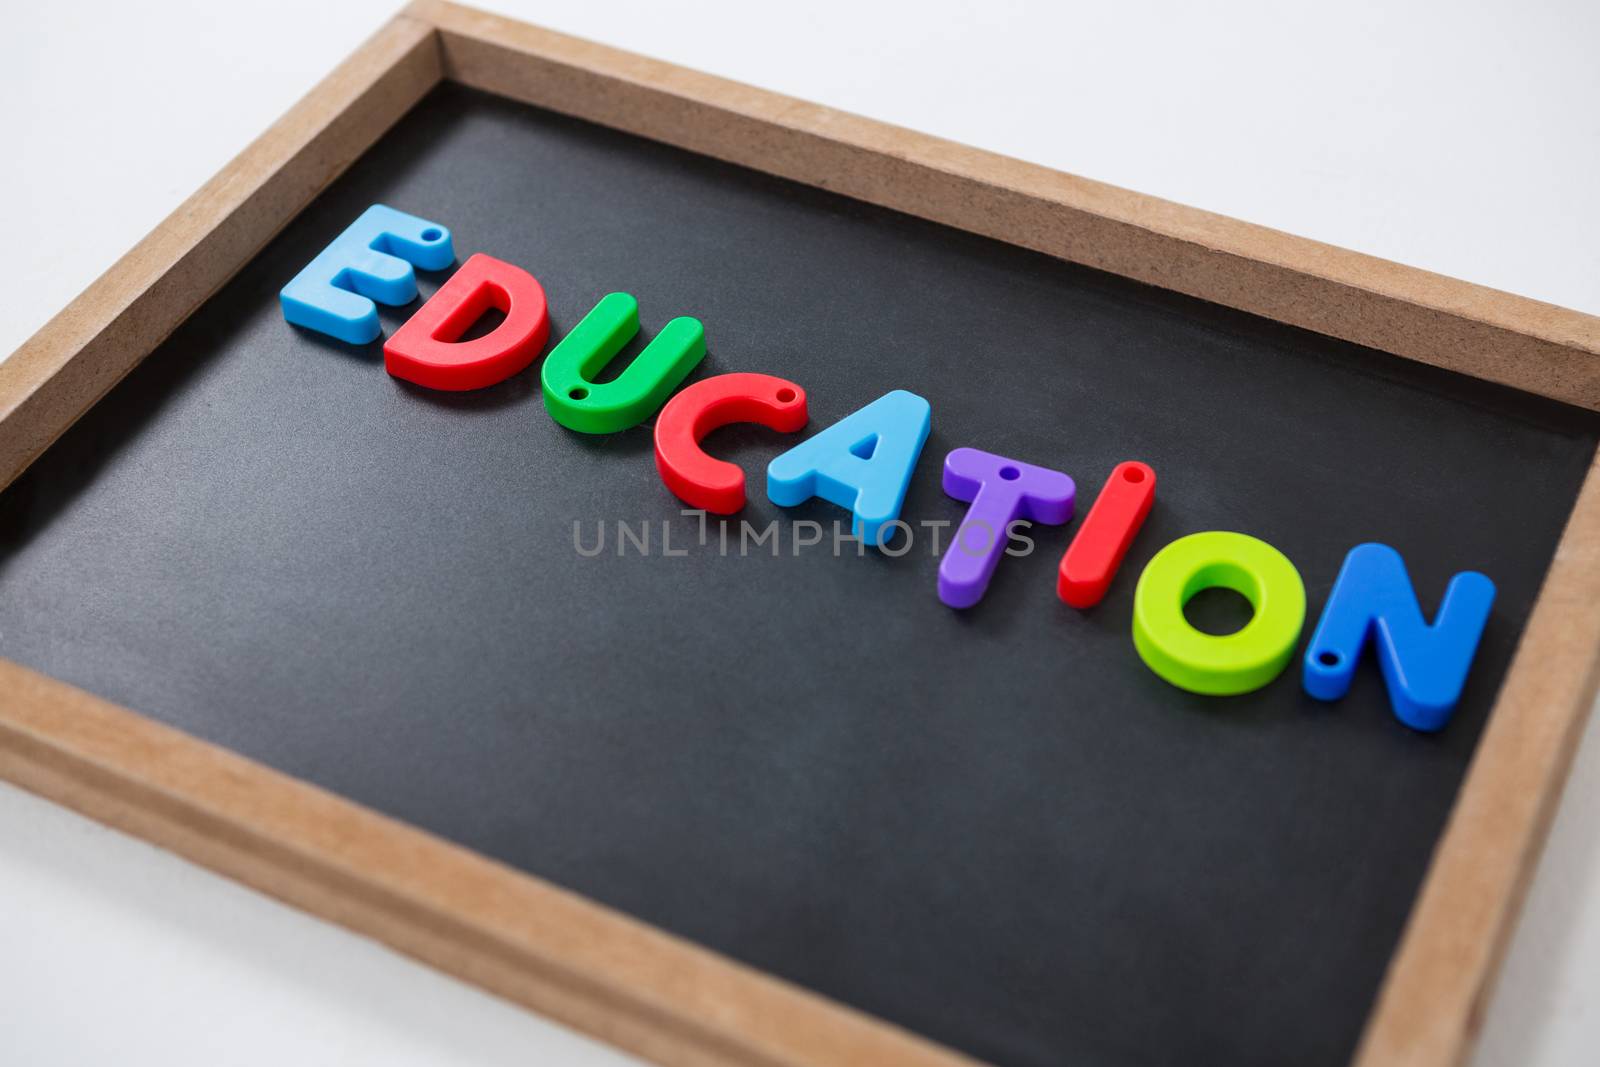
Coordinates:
1204 663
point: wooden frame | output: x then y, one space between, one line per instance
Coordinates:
608 974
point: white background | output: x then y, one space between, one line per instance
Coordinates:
1461 137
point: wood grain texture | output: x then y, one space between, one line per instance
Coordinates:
520 937
611 976
1488 334
1431 1007
61 371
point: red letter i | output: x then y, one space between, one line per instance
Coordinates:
1091 561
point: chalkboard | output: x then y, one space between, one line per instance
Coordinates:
995 828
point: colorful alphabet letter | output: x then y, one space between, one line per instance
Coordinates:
1091 561
1206 663
703 481
1001 491
579 403
1425 666
862 462
371 260
426 351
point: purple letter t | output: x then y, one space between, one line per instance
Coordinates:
1001 491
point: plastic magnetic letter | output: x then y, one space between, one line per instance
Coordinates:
1206 663
702 481
578 402
371 260
1094 555
425 348
862 462
1425 666
1001 491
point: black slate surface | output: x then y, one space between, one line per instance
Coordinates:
995 828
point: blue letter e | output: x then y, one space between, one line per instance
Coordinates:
862 462
370 261
1425 666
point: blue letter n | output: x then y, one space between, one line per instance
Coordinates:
1425 666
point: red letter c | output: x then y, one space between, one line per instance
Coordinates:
697 479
